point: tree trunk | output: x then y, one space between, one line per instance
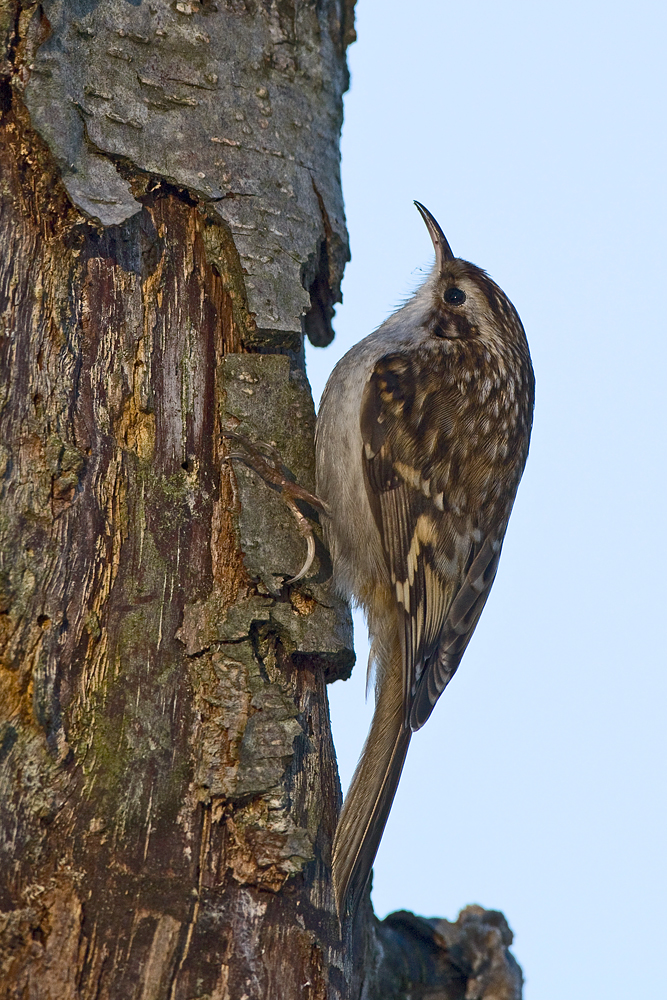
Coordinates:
171 223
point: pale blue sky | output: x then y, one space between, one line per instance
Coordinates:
536 135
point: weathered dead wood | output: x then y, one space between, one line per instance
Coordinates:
169 786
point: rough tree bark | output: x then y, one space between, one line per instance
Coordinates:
171 223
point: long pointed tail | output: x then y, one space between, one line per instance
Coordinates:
372 791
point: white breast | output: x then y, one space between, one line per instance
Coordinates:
351 532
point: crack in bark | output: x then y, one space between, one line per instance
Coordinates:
204 846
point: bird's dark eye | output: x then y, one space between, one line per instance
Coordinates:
455 296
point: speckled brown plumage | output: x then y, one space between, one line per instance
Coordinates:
445 430
420 489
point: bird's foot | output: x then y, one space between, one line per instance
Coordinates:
265 460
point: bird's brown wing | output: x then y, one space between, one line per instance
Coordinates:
440 563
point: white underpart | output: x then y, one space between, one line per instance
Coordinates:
351 531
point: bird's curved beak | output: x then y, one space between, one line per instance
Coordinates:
443 251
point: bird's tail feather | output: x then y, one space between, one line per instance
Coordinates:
371 792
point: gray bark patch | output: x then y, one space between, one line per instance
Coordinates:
241 104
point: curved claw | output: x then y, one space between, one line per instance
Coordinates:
306 531
289 491
309 560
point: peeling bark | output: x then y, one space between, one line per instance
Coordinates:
168 779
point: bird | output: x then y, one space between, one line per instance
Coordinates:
421 440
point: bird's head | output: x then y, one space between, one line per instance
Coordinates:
465 302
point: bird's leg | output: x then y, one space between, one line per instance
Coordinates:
269 467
